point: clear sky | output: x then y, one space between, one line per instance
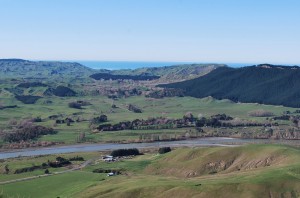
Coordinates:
248 31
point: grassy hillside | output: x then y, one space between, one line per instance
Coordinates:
199 162
173 73
166 175
15 68
266 84
153 175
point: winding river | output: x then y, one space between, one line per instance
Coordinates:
214 141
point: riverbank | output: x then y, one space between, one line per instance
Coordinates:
203 142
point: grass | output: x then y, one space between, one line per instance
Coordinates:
64 185
281 178
174 107
22 162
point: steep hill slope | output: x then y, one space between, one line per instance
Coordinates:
266 84
206 161
247 171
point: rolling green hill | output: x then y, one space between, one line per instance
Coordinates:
265 84
16 68
173 73
19 68
247 171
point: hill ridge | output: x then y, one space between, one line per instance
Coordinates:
265 84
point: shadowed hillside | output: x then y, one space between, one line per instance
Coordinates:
265 84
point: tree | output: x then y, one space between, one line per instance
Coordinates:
47 171
6 169
163 150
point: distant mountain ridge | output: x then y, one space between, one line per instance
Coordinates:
14 68
265 84
174 72
39 69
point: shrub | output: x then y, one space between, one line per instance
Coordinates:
125 152
134 108
100 119
76 159
163 150
75 105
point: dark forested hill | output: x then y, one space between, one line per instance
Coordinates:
266 84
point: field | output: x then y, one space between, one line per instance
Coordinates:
244 171
174 107
254 171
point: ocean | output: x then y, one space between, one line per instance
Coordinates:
116 65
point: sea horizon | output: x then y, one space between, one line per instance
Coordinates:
117 65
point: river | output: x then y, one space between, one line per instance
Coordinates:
213 141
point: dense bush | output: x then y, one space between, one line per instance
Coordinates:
125 152
77 158
134 108
74 105
100 119
100 170
165 93
28 169
163 150
27 131
60 162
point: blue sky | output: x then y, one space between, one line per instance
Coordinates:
245 31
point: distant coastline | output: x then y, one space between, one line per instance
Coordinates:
116 65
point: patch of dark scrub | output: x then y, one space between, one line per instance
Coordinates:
60 91
8 107
101 170
27 99
134 108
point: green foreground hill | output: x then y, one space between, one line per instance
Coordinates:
243 171
265 84
248 171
